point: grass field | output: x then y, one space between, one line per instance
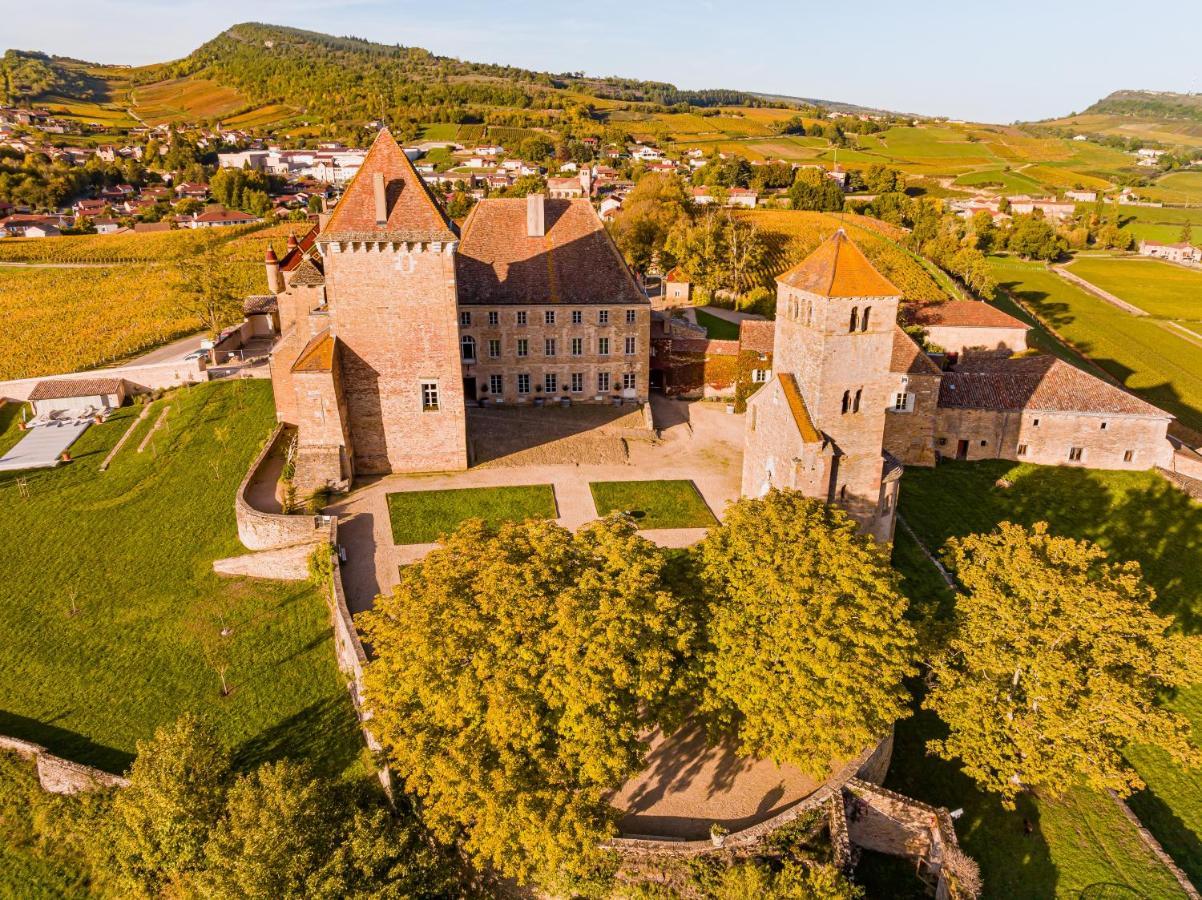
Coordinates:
1176 187
1139 353
717 328
654 504
421 517
111 614
1133 515
1158 288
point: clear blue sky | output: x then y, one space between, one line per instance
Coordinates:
988 61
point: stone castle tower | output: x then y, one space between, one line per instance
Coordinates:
367 366
819 425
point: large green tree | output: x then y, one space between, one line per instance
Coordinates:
515 671
807 641
650 212
205 288
812 189
1055 666
717 250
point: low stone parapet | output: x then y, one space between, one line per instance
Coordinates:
58 775
262 530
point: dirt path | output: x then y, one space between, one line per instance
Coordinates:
1091 288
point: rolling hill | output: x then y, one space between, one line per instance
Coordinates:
1160 116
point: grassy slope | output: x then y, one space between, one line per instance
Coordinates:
1133 515
654 504
1163 368
1159 289
421 517
717 328
134 548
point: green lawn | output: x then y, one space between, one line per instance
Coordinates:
654 504
718 329
1133 515
132 548
421 517
1164 369
1158 288
1176 187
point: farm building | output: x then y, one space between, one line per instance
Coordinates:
958 326
1179 253
77 394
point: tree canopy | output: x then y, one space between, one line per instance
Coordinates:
812 189
807 642
653 208
1055 666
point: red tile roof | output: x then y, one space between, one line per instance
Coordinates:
413 213
965 314
292 258
1036 383
797 406
574 262
57 389
838 269
908 356
756 335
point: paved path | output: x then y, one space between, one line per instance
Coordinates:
699 441
172 352
1092 288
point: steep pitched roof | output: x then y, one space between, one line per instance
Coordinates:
413 213
838 269
965 314
797 406
908 356
318 355
573 262
1036 383
307 274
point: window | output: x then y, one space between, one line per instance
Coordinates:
846 402
984 443
1022 449
494 318
603 317
903 402
603 346
549 317
864 321
759 376
429 396
468 346
523 384
523 347
496 384
855 404
631 343
942 442
521 317
1128 455
465 318
631 316
577 317
577 382
577 346
1074 454
628 381
494 348
1035 424
855 320
550 382
809 313
603 381
1103 426
549 347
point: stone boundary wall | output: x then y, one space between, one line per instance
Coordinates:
873 763
58 775
267 531
140 379
1155 847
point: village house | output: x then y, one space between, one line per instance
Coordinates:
737 196
960 326
1081 196
677 289
217 217
1183 253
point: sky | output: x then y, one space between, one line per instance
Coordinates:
969 59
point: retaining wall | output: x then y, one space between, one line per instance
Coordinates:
58 775
139 378
260 530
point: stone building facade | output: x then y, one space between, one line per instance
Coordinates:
390 321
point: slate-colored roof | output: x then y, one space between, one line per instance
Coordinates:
413 213
797 406
838 269
260 303
57 389
908 356
318 355
965 314
573 263
757 335
1036 383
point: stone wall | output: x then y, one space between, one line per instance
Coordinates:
910 434
960 338
282 564
260 530
140 379
58 775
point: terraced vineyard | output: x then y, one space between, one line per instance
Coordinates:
138 248
792 234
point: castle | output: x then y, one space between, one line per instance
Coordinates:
392 322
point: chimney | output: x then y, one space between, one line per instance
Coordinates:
275 281
535 216
377 181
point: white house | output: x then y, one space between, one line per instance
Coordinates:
1183 253
77 394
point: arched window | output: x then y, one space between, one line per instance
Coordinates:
846 401
468 347
809 313
855 319
864 321
855 406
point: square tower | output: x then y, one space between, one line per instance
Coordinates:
835 317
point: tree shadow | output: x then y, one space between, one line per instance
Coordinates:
325 733
69 745
1178 839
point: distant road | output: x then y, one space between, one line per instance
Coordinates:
176 350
